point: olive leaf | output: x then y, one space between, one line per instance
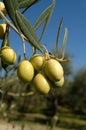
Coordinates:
45 25
58 34
27 29
26 3
45 16
11 7
64 42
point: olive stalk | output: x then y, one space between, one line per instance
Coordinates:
59 59
24 48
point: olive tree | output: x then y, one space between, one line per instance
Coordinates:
37 71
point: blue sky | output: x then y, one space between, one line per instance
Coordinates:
74 15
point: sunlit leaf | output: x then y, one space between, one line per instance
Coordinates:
64 42
58 34
27 29
11 7
45 16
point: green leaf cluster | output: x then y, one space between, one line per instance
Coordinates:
22 23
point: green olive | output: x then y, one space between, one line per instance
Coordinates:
8 55
25 71
41 83
2 30
53 70
37 61
2 8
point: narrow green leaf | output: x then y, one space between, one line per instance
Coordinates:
26 3
6 41
47 20
64 42
58 34
45 25
41 19
44 15
11 7
27 29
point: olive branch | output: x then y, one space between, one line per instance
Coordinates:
24 24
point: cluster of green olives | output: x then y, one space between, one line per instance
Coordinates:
41 72
38 70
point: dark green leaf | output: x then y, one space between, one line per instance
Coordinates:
11 7
64 42
58 34
26 3
27 29
45 16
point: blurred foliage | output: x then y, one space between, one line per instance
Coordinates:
75 95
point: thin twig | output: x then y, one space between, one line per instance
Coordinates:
22 94
24 48
59 59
